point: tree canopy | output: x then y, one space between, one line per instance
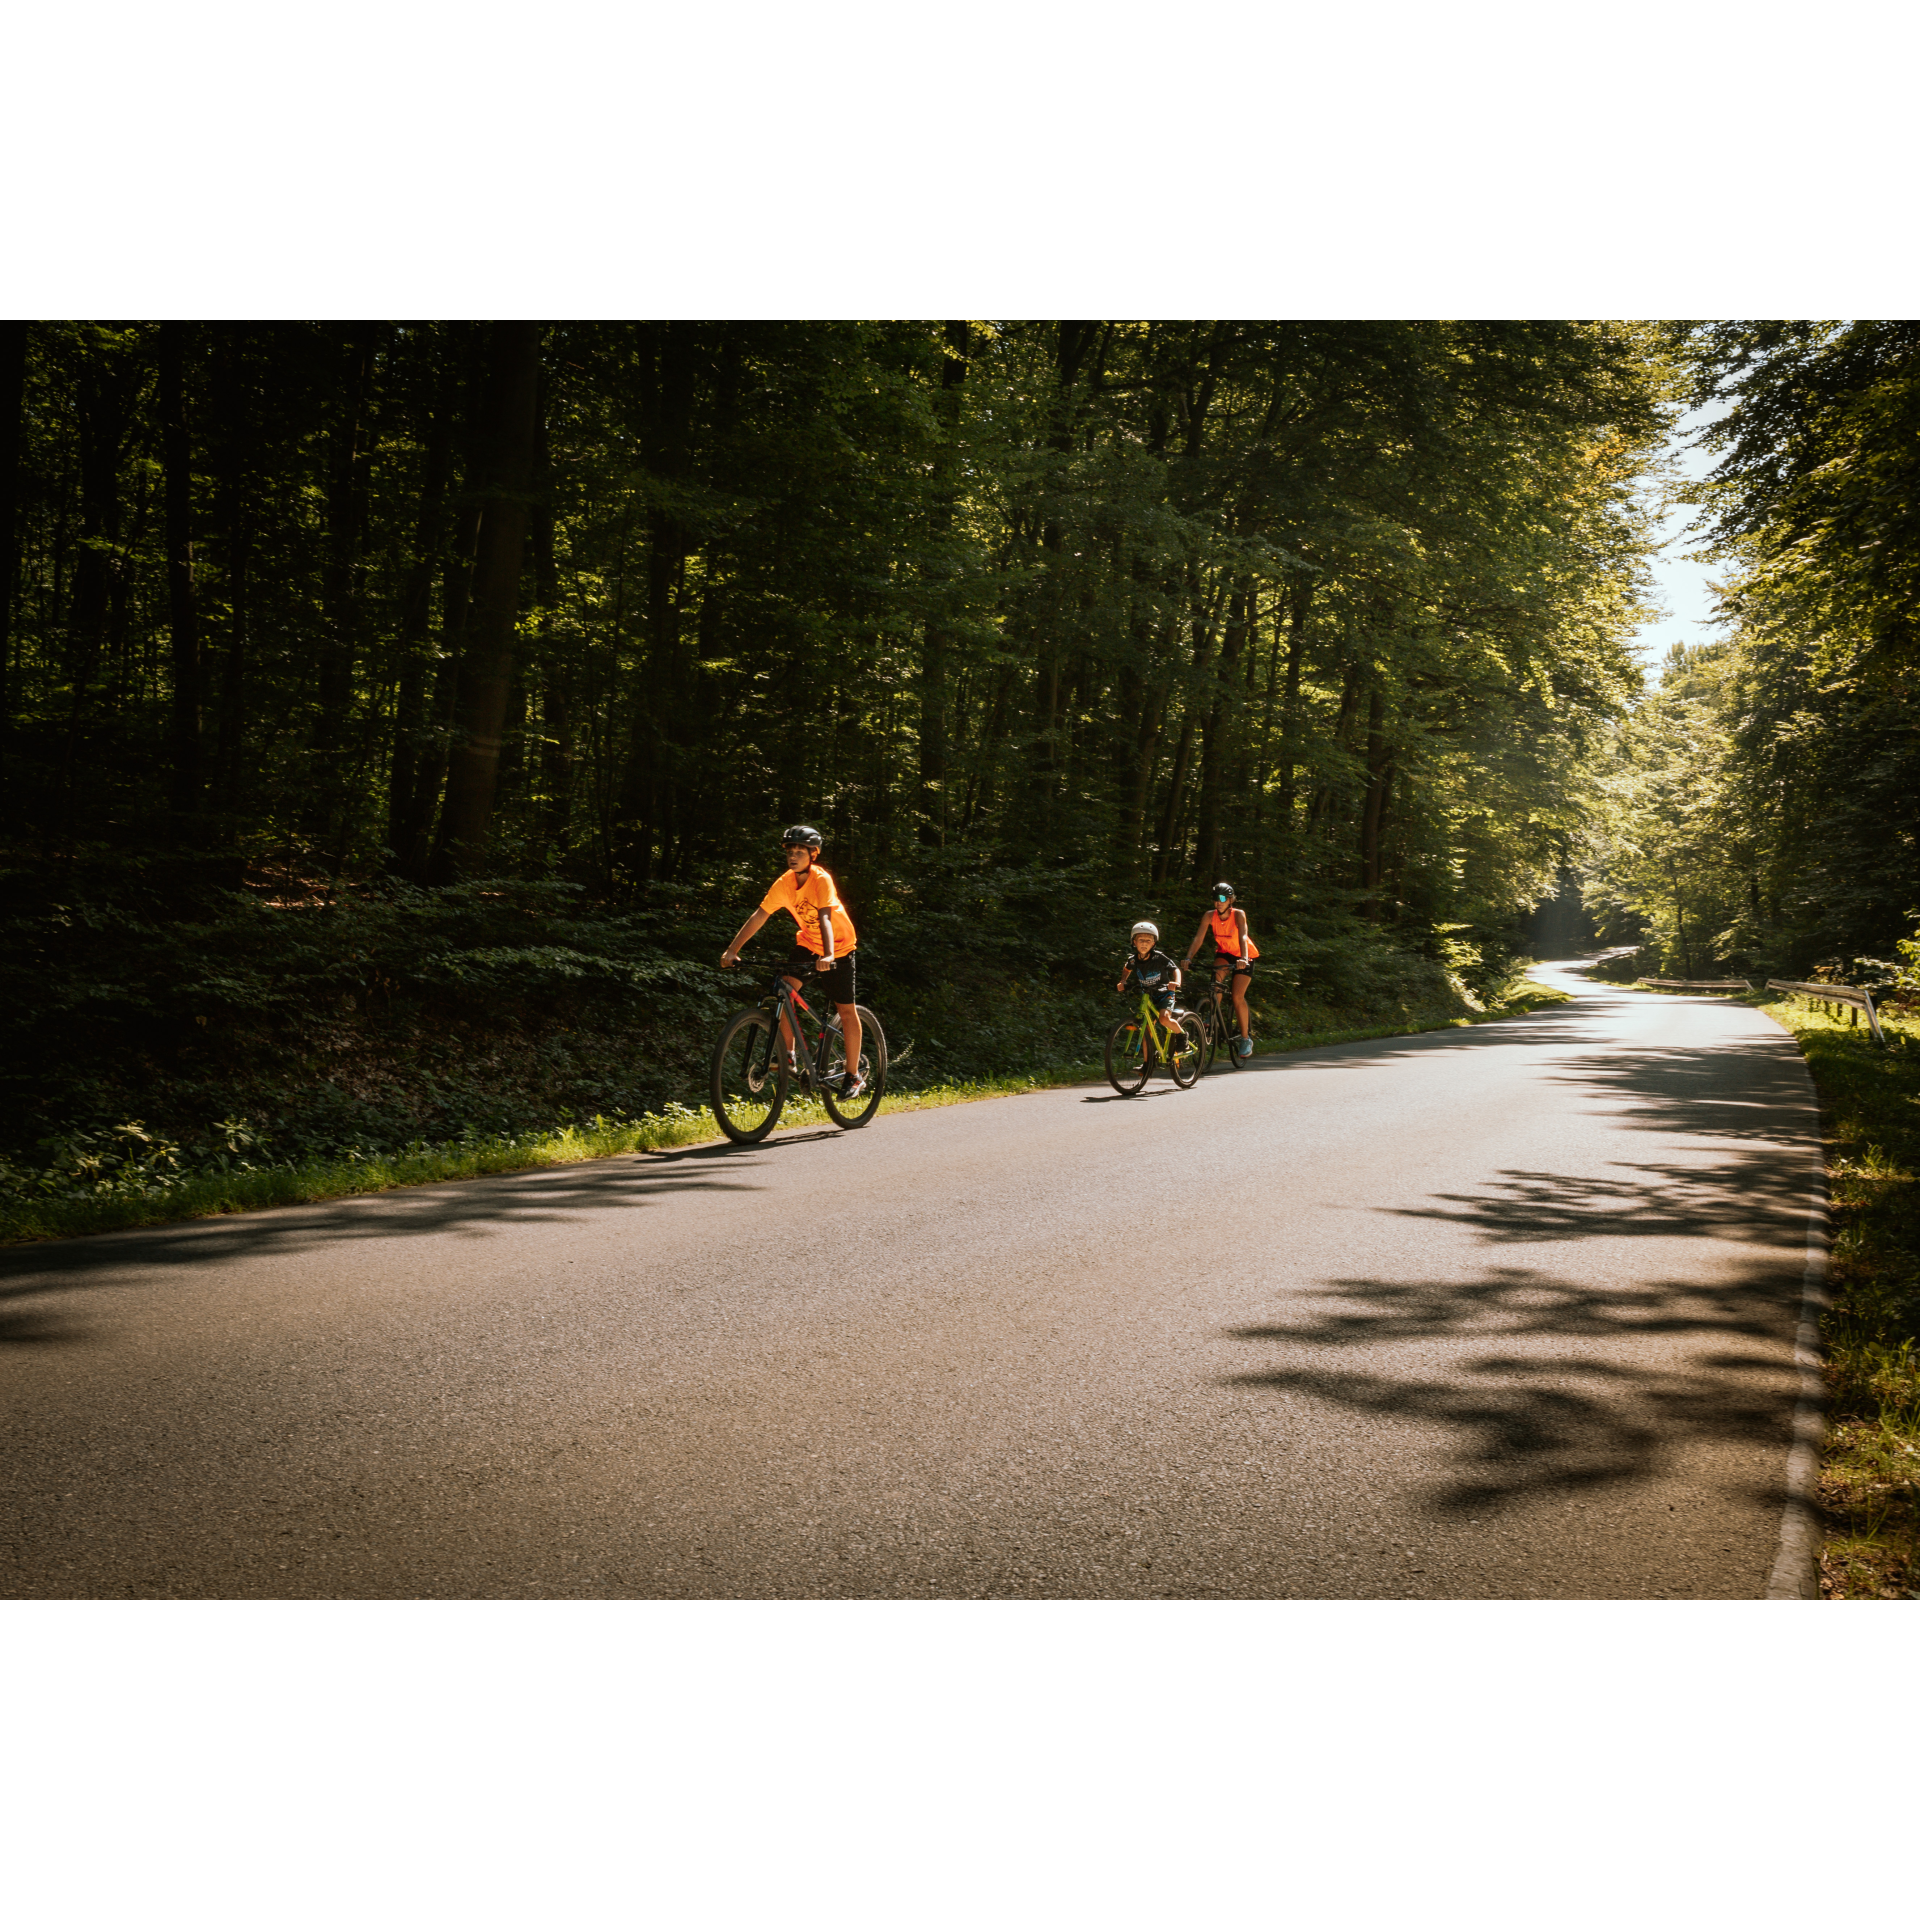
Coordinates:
1332 606
1768 795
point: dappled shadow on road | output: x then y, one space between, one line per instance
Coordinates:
1572 1386
1753 1196
1566 1382
151 1255
1750 1087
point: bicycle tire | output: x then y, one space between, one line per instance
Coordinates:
747 1095
1186 1063
873 1063
1128 1063
1209 1034
1232 1045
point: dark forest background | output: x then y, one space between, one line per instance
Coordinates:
398 717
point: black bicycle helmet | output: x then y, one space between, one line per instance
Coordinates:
808 837
1223 889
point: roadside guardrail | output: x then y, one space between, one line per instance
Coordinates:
1834 998
1696 986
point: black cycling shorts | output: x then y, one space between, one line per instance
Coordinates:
804 963
1234 963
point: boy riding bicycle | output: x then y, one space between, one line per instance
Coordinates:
824 945
1232 948
1152 971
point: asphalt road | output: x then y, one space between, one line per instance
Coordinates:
1499 1311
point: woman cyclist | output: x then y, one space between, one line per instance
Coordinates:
1232 948
825 943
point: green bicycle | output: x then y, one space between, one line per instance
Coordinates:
1138 1044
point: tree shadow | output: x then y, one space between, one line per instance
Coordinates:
1558 1383
1590 1386
1754 1196
147 1256
1753 1087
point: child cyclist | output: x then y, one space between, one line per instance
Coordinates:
1232 947
824 948
1153 972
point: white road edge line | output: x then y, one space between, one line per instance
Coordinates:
1796 1567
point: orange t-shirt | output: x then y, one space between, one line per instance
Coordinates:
803 897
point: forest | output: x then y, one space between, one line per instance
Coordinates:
1763 807
396 718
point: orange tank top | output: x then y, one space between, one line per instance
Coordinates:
1226 935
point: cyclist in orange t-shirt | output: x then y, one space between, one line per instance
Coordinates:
1232 947
824 946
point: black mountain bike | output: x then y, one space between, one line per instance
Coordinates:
1219 1025
752 1071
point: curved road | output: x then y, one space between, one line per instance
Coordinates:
1497 1311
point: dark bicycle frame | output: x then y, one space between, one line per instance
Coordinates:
1214 1004
787 999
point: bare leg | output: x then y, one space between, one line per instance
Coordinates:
850 1032
1240 1005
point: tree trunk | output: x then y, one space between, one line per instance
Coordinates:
556 669
340 587
1320 814
508 427
13 399
937 644
410 745
1300 600
107 391
233 511
183 611
1172 817
646 800
1215 731
1379 768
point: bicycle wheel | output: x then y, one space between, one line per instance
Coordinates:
1209 1033
873 1064
1189 1061
749 1077
1127 1061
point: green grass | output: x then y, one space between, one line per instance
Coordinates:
1870 1478
203 1195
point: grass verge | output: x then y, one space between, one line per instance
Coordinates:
34 1217
1870 1473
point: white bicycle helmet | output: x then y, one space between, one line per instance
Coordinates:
1144 926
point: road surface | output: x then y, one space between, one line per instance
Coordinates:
1496 1311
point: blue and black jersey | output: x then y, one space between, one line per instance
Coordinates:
1154 973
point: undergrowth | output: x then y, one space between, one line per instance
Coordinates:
129 1176
1870 1479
